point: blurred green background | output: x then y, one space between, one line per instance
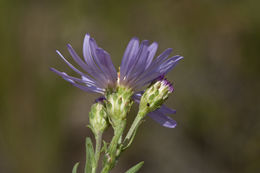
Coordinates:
43 118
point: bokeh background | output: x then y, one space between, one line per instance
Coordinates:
43 118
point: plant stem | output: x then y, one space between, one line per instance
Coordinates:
110 156
98 138
133 128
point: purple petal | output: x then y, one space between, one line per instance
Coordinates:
100 99
158 61
88 89
69 64
86 50
106 64
129 55
89 50
163 56
166 110
83 65
101 84
92 59
152 50
142 81
137 96
153 71
162 119
162 69
96 60
169 64
88 85
138 65
77 59
103 63
65 75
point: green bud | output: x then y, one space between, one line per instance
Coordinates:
118 104
155 96
98 118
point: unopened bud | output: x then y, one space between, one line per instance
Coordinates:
118 104
155 95
98 117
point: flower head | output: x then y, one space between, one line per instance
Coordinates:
159 115
138 69
98 118
155 95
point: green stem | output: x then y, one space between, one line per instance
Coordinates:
137 122
110 157
98 138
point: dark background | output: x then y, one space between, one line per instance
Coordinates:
43 118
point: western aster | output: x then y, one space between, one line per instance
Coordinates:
138 69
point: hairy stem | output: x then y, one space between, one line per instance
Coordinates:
98 138
110 156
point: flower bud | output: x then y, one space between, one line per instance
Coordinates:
155 95
98 117
118 105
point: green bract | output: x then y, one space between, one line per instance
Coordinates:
98 118
155 96
118 104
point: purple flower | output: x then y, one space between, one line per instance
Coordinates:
138 69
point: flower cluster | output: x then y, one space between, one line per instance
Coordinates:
138 69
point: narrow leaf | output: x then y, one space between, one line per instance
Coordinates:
128 142
104 148
135 168
75 167
90 158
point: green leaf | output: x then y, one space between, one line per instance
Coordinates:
128 142
90 158
135 168
75 167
